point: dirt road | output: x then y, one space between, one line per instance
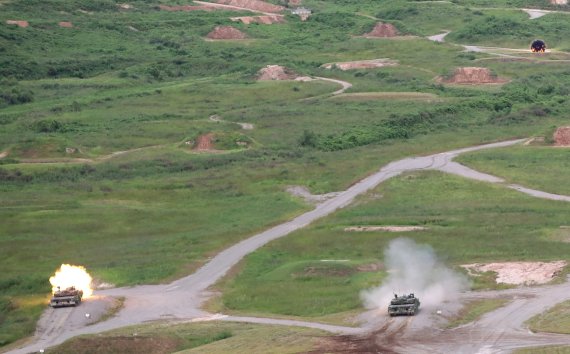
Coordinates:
499 331
181 299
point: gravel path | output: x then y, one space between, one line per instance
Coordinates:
181 299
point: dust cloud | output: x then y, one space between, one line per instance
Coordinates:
414 268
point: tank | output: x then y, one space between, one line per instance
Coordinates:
66 297
538 46
406 305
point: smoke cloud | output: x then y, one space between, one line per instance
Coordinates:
414 268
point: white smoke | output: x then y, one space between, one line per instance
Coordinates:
414 268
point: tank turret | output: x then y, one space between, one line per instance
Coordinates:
404 305
66 297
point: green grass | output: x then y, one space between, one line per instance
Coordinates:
473 310
212 337
544 350
555 320
157 213
542 168
468 222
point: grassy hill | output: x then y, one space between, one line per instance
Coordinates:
98 123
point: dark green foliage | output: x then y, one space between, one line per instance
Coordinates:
15 96
309 138
48 126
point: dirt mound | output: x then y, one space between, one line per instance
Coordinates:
382 30
22 24
187 8
255 5
562 136
473 75
65 24
361 64
204 142
265 20
226 32
518 273
275 72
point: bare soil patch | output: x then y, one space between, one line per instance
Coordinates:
473 76
361 64
226 33
204 142
382 30
18 23
370 267
519 273
295 2
355 344
304 193
121 344
562 136
65 24
323 271
559 2
255 5
3 154
264 20
275 72
385 228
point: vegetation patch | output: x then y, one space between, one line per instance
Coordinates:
211 337
473 310
555 320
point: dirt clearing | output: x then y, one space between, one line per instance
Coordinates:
382 30
204 142
559 2
519 273
275 72
254 5
562 136
264 20
361 64
385 228
65 24
304 193
226 33
18 23
473 76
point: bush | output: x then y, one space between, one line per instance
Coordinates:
15 96
47 126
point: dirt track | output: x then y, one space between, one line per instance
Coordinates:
181 299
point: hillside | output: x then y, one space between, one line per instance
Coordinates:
141 139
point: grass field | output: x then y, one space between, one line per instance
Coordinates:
467 222
542 168
473 310
144 80
196 338
555 320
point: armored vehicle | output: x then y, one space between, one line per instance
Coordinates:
67 297
404 305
